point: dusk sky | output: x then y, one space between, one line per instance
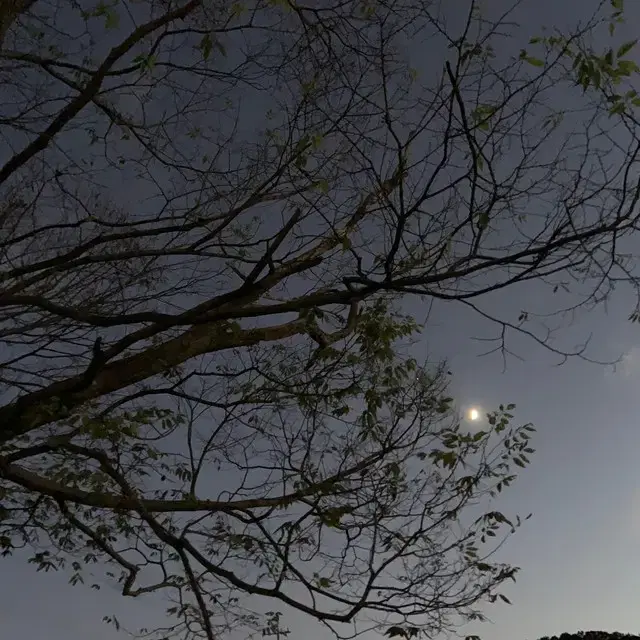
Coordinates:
580 566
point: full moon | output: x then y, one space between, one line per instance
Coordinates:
474 414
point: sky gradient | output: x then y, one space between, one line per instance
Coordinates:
578 553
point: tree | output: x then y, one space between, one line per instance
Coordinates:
593 635
210 214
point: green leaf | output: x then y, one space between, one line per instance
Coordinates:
626 67
626 47
206 46
237 8
617 108
112 19
535 62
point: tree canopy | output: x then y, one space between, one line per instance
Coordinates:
592 635
210 215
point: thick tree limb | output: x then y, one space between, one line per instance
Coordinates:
41 407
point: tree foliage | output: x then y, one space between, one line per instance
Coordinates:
209 215
592 635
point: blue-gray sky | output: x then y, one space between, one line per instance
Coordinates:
578 553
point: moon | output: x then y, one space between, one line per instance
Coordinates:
474 414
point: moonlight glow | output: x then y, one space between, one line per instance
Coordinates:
474 414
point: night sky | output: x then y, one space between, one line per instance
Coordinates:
579 551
